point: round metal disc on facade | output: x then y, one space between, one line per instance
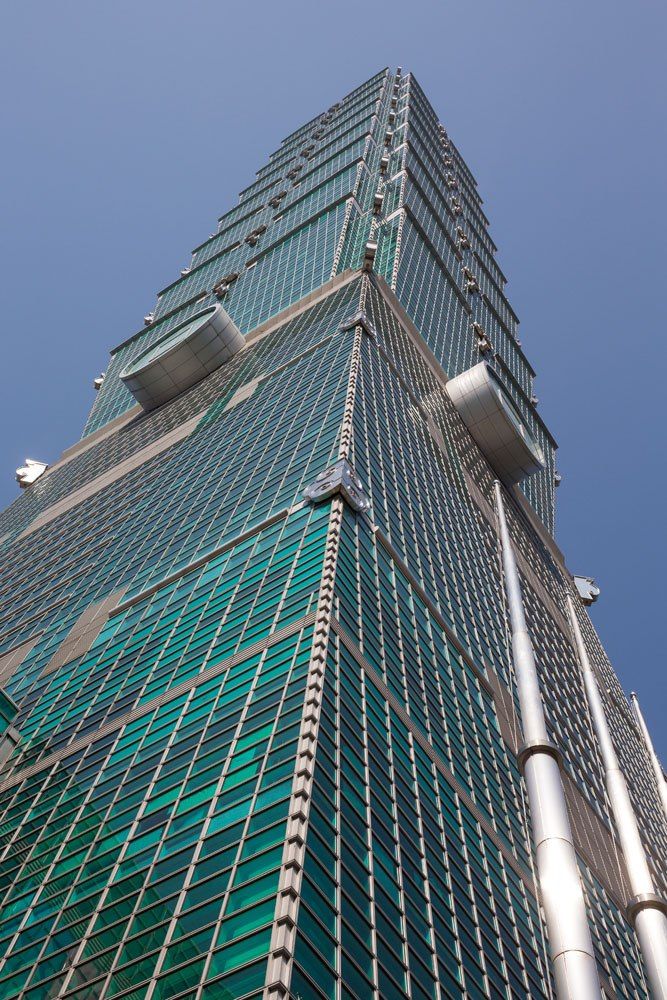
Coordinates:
183 357
495 423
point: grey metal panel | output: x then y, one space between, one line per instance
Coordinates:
84 632
10 661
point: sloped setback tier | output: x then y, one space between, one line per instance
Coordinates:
183 357
495 423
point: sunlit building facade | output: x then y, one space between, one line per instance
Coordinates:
262 736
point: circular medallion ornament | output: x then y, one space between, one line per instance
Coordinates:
495 423
183 357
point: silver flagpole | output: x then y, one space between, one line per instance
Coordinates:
575 971
657 766
647 910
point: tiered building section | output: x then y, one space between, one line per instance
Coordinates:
255 631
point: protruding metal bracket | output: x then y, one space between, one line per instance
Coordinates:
29 473
359 319
339 478
645 901
587 589
526 750
369 255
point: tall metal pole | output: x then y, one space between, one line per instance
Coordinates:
646 909
657 766
575 971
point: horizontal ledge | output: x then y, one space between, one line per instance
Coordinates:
255 529
278 635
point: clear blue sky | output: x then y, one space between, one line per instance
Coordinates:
129 126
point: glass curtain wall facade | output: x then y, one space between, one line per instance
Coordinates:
262 746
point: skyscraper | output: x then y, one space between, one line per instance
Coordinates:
269 629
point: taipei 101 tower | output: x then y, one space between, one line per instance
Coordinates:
299 699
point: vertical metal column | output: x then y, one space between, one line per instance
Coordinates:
646 910
575 971
657 766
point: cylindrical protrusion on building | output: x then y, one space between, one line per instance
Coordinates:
658 772
570 944
647 911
